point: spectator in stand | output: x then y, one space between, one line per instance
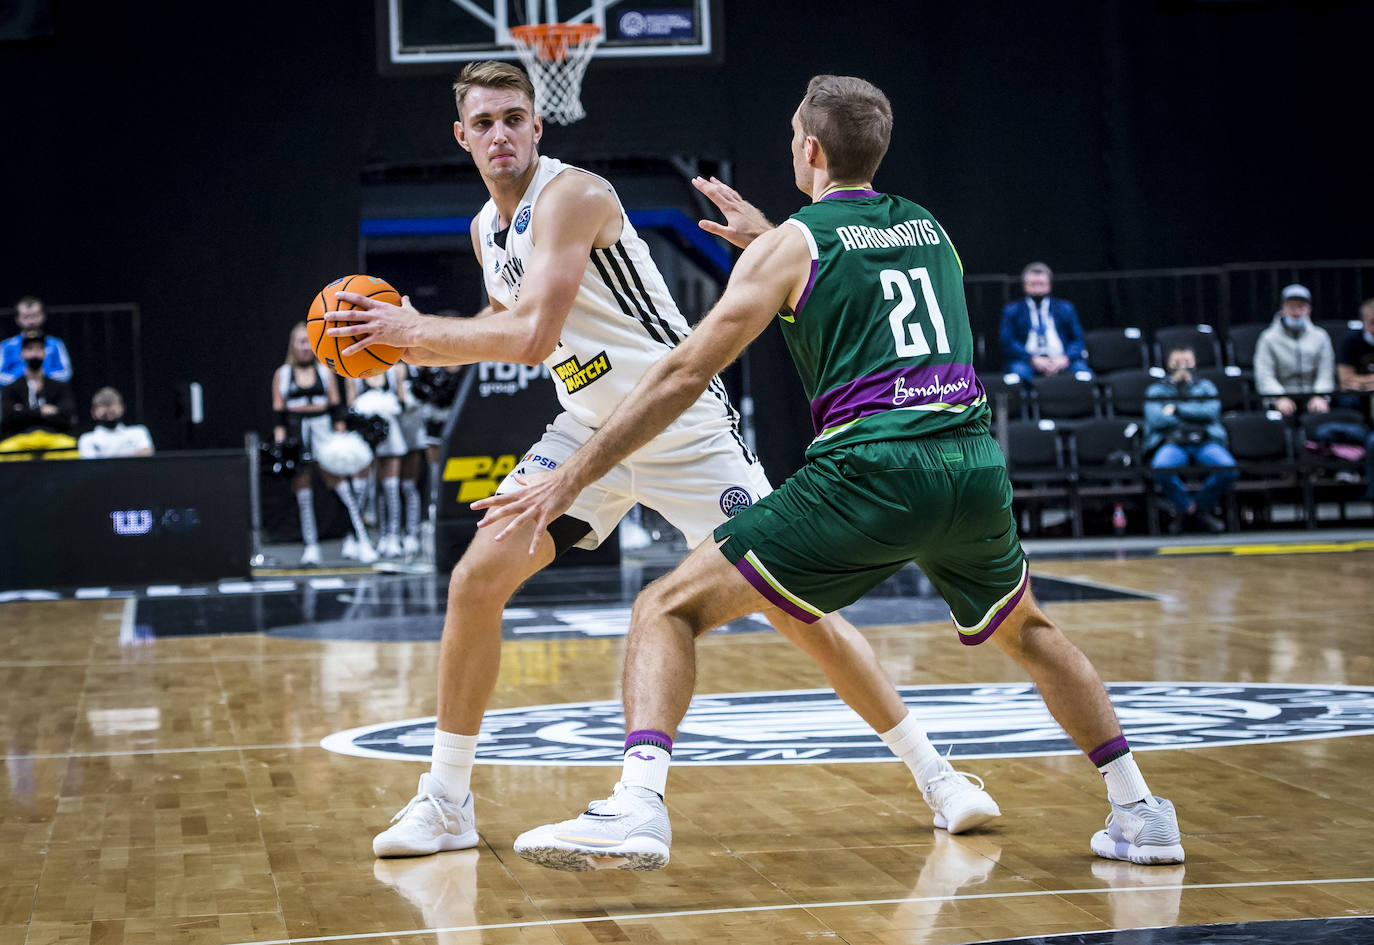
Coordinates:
1183 427
1294 360
1355 360
1355 371
36 402
111 438
30 317
1041 335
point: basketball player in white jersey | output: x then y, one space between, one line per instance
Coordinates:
572 286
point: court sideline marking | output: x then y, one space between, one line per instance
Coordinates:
688 913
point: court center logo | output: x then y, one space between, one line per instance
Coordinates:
814 726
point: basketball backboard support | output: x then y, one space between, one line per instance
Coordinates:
434 35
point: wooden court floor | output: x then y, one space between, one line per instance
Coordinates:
174 791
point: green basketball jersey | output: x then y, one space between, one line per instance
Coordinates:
881 336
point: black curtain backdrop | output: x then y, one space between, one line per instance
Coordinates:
206 163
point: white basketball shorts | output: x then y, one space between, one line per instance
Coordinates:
695 477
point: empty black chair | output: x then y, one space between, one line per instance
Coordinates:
1000 391
1115 349
1201 338
1035 464
1332 451
1065 396
1233 390
1104 457
1125 391
1338 328
1261 442
1242 339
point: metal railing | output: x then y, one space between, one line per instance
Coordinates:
1221 296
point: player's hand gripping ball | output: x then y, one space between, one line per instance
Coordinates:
372 360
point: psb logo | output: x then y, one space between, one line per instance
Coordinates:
999 720
735 500
522 219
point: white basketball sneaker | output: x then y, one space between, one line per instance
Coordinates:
410 545
627 831
431 822
1145 832
366 553
958 803
350 548
310 557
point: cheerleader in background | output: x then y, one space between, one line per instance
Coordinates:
384 396
307 407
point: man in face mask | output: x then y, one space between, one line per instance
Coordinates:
1355 371
36 401
1183 427
1041 335
1294 360
30 317
1355 363
111 437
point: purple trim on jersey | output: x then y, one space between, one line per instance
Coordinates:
1109 751
810 284
770 593
900 387
649 736
997 618
856 193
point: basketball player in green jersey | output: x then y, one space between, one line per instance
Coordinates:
902 469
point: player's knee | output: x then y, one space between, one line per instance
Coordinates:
672 599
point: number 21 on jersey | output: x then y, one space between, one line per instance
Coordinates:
910 335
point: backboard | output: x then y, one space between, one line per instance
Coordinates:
432 35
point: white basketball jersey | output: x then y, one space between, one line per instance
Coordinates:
622 321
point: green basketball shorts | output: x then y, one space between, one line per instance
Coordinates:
848 520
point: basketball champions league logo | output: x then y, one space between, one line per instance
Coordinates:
814 726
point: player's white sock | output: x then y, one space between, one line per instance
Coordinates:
391 488
354 514
452 761
412 491
305 499
1125 783
908 741
648 753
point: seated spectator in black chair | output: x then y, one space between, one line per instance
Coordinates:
36 404
1294 360
30 317
1355 372
1183 427
111 437
1041 335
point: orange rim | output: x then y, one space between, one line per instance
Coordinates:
551 40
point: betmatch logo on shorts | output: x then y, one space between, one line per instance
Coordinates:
998 720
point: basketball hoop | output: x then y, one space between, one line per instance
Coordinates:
556 56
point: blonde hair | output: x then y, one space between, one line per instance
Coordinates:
290 339
852 119
491 74
107 397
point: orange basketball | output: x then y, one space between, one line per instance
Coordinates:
371 360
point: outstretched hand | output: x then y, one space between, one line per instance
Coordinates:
545 496
374 322
744 222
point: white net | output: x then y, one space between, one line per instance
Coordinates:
556 55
